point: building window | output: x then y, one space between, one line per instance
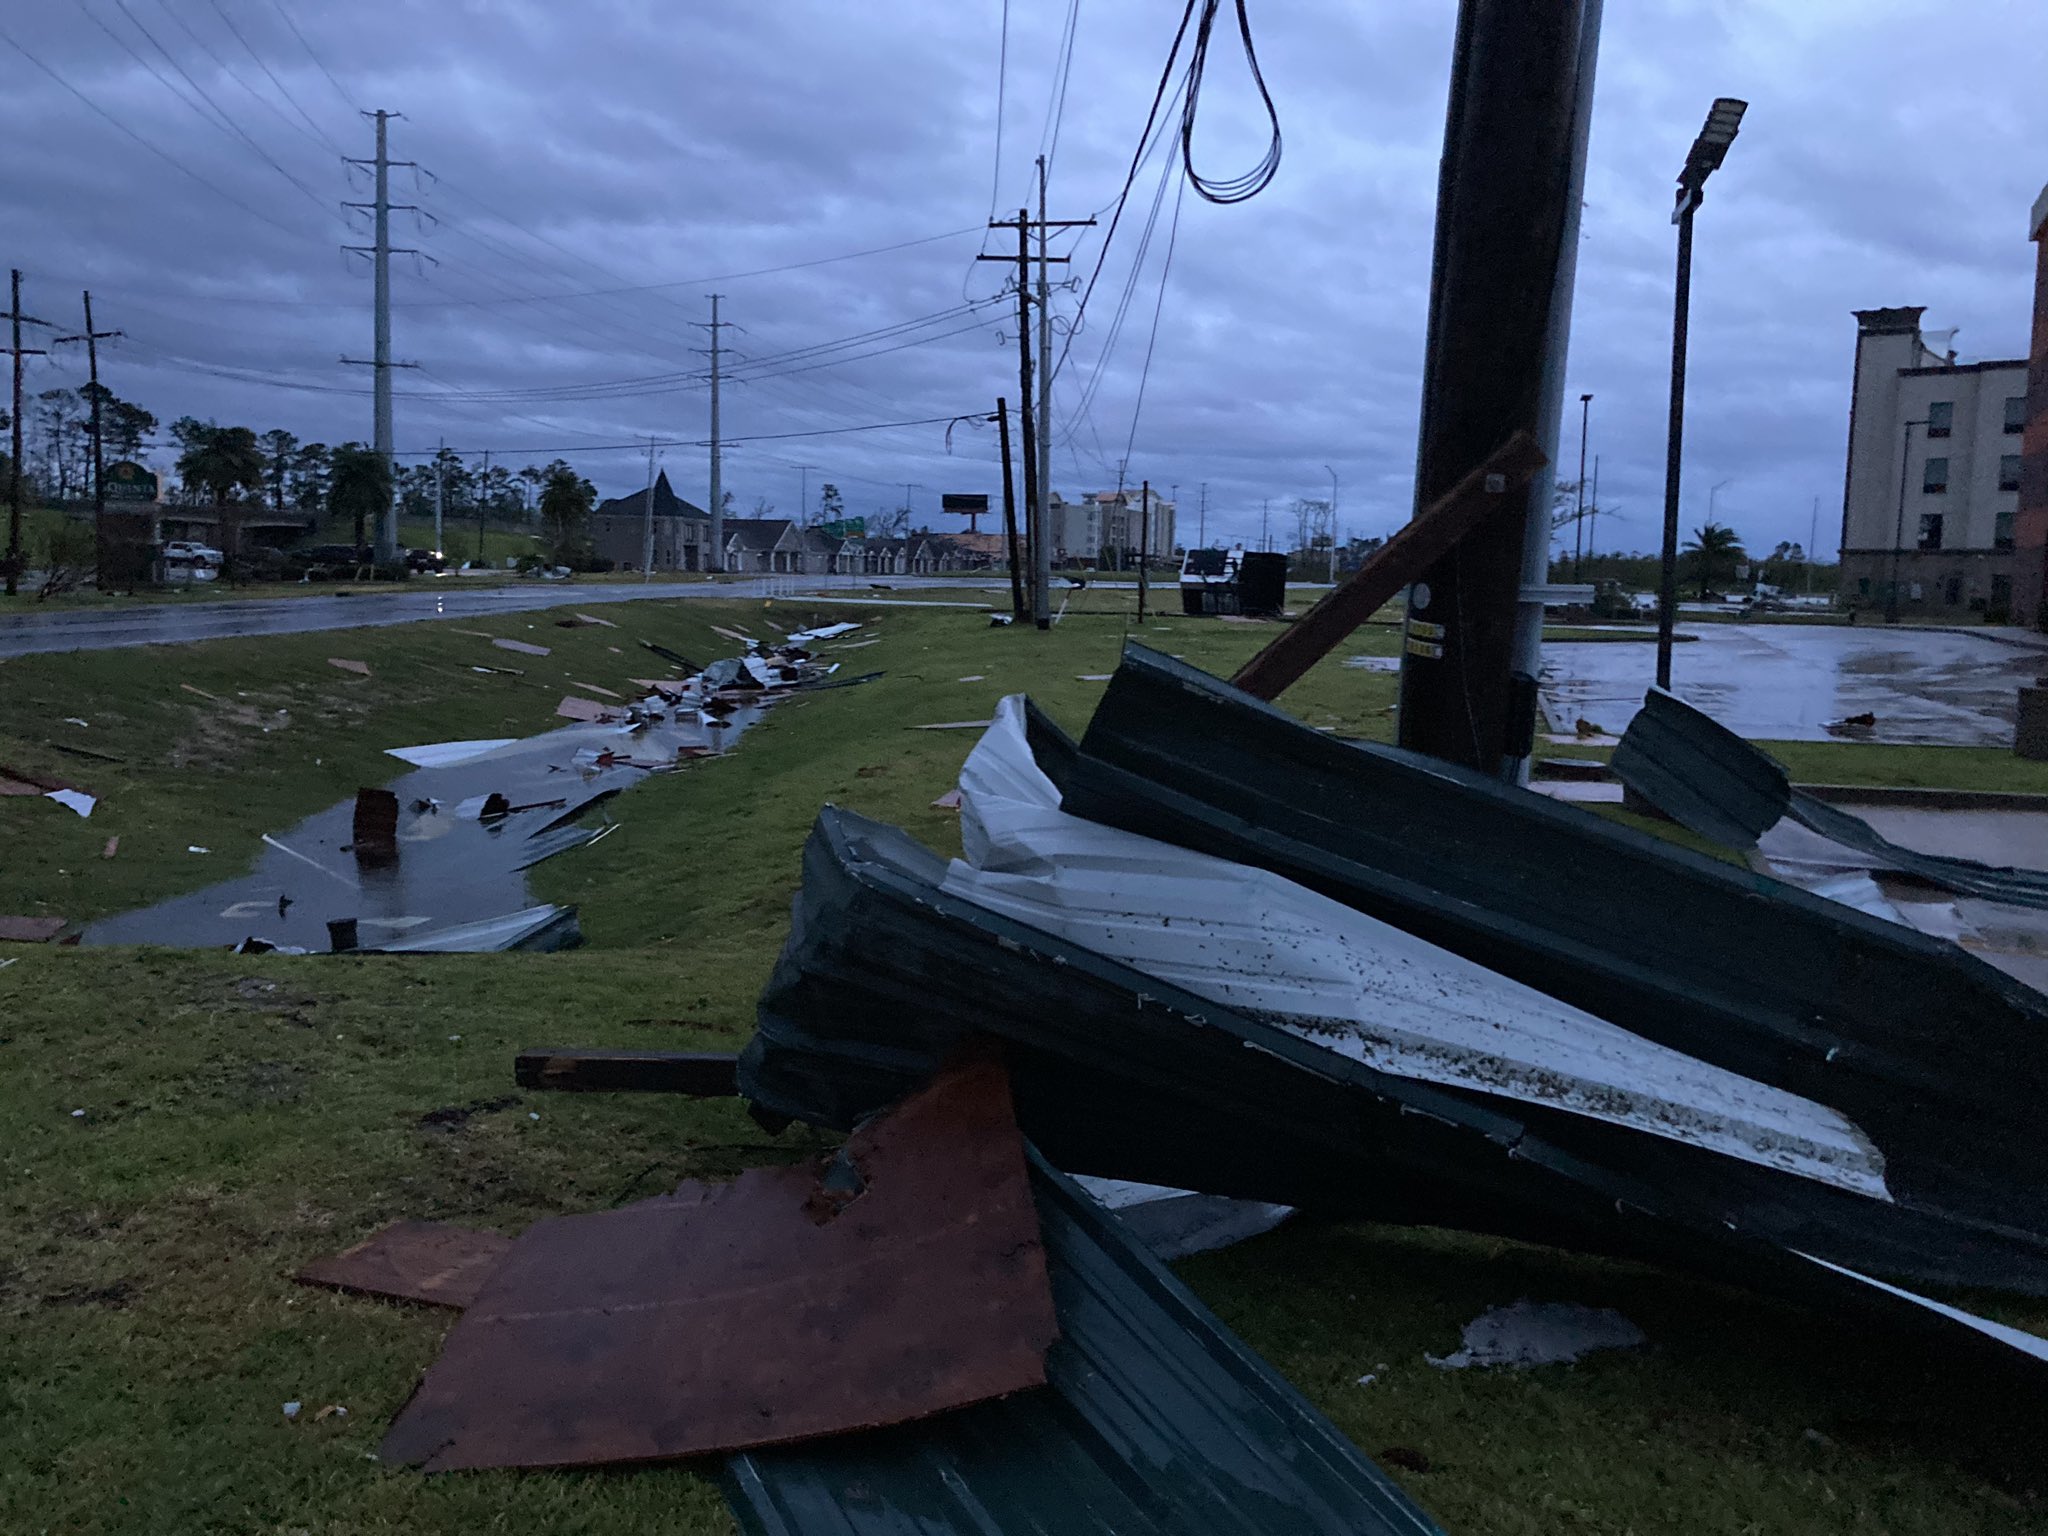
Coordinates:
2008 471
1953 593
1934 477
1941 418
1863 586
2015 413
1930 531
2001 531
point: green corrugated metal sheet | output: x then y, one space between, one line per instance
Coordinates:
1157 1421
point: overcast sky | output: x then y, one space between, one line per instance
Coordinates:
1890 154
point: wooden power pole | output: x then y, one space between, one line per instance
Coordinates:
15 473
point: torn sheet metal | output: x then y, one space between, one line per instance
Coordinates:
1156 1421
1124 1076
446 754
587 710
540 930
901 1278
1706 778
1179 1223
1905 1035
72 800
545 844
435 1263
1539 1333
1352 984
805 638
522 647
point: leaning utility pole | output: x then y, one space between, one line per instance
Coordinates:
92 340
380 253
14 475
1507 223
1010 513
717 562
1036 424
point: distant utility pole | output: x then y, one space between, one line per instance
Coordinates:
1812 533
908 487
803 499
1579 522
1265 539
92 340
1202 519
483 500
1037 425
440 497
1144 542
647 535
1593 513
1123 543
1333 523
14 475
717 454
380 253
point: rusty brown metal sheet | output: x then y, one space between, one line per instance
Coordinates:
901 1278
31 930
435 1262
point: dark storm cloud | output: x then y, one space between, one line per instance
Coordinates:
1885 160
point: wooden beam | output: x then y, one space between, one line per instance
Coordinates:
1398 562
700 1074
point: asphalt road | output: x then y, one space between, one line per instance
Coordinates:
103 629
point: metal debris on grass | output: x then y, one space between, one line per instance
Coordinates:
522 647
1539 1333
436 1263
73 799
360 668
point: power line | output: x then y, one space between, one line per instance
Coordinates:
226 123
346 99
1002 80
283 89
1249 184
1165 269
640 444
177 165
222 65
1056 106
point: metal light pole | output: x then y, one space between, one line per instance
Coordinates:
1579 519
1891 597
1705 157
1333 523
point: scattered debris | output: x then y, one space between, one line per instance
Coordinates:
74 720
291 1410
195 848
1368 664
375 831
672 656
446 754
1095 677
810 637
113 847
1584 728
698 1074
583 621
747 1314
954 725
1850 725
31 930
360 668
949 801
1179 1223
522 647
593 688
539 930
435 1263
72 799
1539 1333
587 710
85 752
974 677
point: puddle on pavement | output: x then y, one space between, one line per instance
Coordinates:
450 869
1787 682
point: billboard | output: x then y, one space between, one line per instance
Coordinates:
963 505
125 480
845 528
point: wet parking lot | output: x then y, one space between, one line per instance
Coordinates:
1784 682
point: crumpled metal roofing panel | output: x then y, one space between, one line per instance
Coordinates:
1157 1421
1907 1035
1706 778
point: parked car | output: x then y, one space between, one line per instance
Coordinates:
189 552
422 559
327 562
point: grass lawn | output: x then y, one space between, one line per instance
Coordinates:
242 1115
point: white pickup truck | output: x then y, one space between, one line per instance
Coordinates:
187 552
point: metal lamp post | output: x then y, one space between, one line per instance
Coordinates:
1705 157
1333 523
1891 597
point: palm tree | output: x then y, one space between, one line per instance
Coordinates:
359 486
1713 549
219 461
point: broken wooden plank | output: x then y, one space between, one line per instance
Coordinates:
575 1069
1386 572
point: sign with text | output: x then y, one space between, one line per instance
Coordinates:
126 480
845 528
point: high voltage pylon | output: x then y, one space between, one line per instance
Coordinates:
714 326
380 254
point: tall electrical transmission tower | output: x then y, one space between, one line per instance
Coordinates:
380 254
717 562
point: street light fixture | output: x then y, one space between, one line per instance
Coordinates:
1891 597
1701 161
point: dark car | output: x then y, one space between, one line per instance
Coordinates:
327 562
422 559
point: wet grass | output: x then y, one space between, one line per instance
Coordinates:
242 1116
